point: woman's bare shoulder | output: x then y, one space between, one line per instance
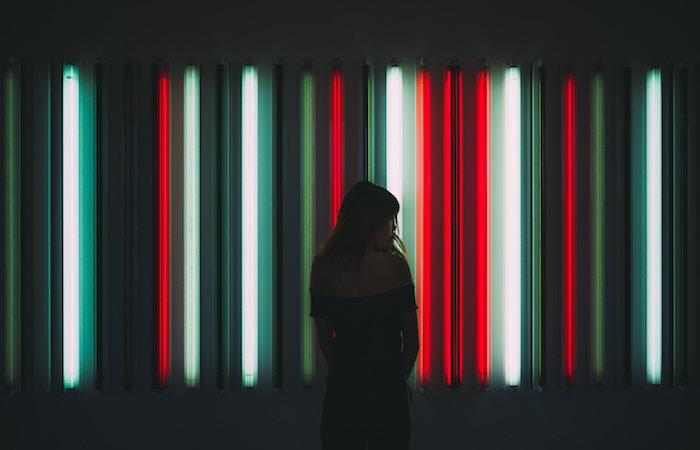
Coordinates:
395 268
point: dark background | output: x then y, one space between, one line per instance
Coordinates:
559 33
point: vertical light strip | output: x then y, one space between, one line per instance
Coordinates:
653 226
512 229
569 227
308 156
394 136
537 192
249 229
71 229
12 229
482 227
191 225
224 252
453 218
628 228
597 224
163 313
424 229
447 228
337 143
371 152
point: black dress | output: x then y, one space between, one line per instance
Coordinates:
367 398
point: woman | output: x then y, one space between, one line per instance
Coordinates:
363 304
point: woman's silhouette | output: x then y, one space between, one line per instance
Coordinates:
363 303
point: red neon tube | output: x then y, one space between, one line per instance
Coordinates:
337 162
163 229
424 221
459 347
453 237
569 232
482 243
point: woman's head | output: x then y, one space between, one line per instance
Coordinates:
367 217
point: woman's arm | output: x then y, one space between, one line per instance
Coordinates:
324 331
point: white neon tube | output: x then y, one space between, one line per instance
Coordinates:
249 238
653 225
512 231
394 136
71 229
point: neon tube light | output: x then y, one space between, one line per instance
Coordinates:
537 190
308 150
394 136
453 218
512 229
627 228
163 314
337 143
368 122
12 230
191 225
597 224
71 229
224 252
569 224
249 229
653 226
482 227
424 229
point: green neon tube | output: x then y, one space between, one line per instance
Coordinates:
370 126
249 229
12 230
191 225
537 373
71 230
653 226
225 224
597 224
512 230
308 149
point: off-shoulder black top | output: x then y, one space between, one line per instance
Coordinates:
366 387
367 329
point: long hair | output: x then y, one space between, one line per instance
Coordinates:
364 210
